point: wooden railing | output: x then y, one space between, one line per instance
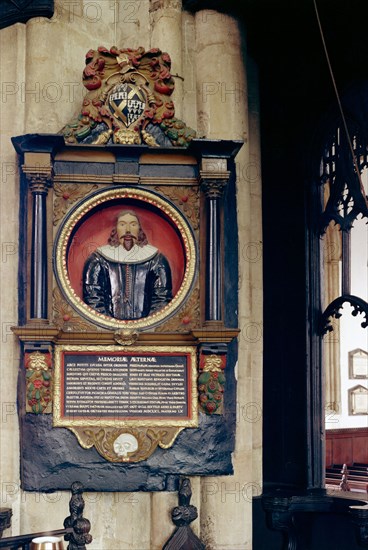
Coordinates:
23 541
76 527
345 477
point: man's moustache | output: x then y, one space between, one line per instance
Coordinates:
129 236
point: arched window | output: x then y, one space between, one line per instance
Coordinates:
342 225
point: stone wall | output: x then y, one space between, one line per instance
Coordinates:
41 65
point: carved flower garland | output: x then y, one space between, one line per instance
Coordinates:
39 380
211 384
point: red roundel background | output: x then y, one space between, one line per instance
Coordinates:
95 228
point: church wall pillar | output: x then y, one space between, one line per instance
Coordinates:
166 34
12 63
224 93
46 59
189 54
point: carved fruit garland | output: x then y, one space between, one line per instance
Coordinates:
211 383
39 382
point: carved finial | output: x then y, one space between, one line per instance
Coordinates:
185 492
183 537
344 484
81 526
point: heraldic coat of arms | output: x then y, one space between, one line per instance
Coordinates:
128 101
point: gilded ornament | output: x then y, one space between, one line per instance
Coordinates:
186 198
187 318
65 317
126 137
126 337
212 363
128 444
103 138
211 383
124 423
66 195
38 382
37 361
128 95
61 258
149 139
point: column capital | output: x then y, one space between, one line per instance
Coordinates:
39 178
37 168
214 176
213 187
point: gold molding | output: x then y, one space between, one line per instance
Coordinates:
37 170
36 332
82 178
60 421
224 334
125 178
134 179
103 439
39 332
209 175
156 180
161 204
100 155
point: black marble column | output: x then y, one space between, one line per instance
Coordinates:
213 190
38 303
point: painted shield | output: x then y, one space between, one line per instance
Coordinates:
127 103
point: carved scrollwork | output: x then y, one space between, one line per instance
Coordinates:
125 444
186 198
126 337
188 317
333 310
65 317
66 195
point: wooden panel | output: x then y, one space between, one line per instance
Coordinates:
343 450
347 446
360 449
329 452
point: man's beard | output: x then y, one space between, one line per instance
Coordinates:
127 240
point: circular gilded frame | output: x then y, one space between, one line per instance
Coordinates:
146 199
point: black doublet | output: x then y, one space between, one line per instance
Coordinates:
126 290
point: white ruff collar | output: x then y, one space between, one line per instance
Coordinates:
136 255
